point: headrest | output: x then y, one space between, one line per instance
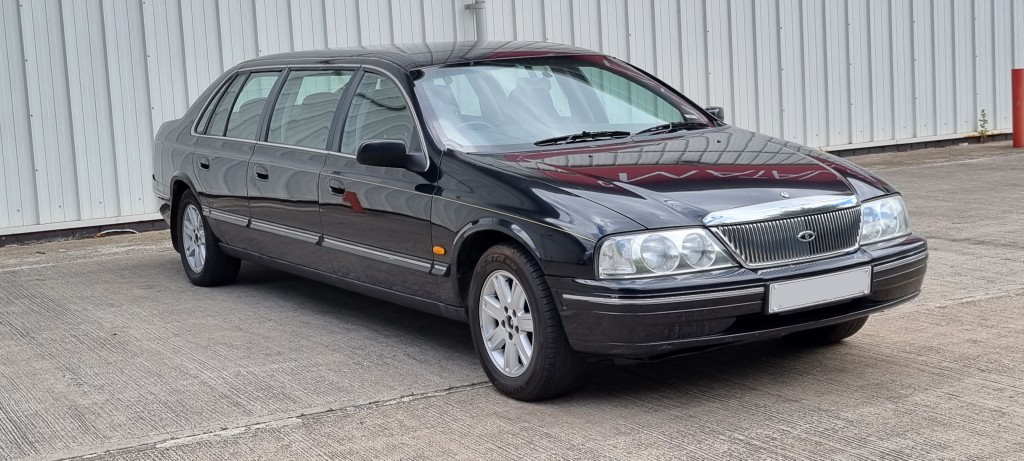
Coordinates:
533 83
320 98
255 104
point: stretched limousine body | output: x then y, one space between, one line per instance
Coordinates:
564 203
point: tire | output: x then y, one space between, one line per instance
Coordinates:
205 264
553 367
827 335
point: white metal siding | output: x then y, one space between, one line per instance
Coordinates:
86 83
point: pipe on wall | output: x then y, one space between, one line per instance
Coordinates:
479 8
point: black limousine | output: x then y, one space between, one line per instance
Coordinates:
564 203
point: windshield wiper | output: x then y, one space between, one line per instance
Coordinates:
581 137
673 127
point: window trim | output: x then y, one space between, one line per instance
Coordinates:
268 107
231 108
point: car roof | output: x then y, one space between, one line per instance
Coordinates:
417 55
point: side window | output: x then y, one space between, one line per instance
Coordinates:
244 119
378 111
219 118
303 112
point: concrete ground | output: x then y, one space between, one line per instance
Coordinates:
105 349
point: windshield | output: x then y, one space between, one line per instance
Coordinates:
516 103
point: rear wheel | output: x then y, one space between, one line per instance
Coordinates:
516 327
827 335
205 264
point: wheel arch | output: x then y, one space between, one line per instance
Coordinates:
476 237
179 185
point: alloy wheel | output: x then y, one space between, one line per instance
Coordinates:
506 323
193 238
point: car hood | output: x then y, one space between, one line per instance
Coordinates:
678 181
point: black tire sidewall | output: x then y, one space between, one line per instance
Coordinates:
500 258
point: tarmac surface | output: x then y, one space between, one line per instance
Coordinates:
107 351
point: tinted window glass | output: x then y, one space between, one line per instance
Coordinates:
219 119
244 119
303 113
378 111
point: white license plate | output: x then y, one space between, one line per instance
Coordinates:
796 294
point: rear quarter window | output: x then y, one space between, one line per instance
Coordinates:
219 115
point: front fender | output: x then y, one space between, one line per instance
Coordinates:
558 252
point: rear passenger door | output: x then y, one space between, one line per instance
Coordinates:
377 220
227 136
285 169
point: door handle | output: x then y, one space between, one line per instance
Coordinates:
336 187
204 163
261 173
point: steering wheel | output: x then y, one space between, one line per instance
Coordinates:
474 122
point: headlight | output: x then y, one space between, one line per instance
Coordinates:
660 253
883 219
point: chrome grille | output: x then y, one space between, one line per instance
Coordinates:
768 243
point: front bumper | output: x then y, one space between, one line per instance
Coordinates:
666 315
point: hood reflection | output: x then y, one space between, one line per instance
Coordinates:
660 182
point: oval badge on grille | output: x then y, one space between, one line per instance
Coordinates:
806 236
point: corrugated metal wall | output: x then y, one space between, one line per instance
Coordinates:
87 82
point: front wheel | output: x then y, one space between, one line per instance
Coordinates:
827 335
517 329
205 264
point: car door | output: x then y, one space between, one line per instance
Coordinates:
376 220
284 192
223 149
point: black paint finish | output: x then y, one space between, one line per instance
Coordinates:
320 213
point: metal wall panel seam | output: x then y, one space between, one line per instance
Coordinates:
27 201
1002 59
777 49
869 68
847 76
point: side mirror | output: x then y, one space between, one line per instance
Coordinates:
716 112
387 153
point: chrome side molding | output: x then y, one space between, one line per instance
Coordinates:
378 254
781 209
224 216
284 231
